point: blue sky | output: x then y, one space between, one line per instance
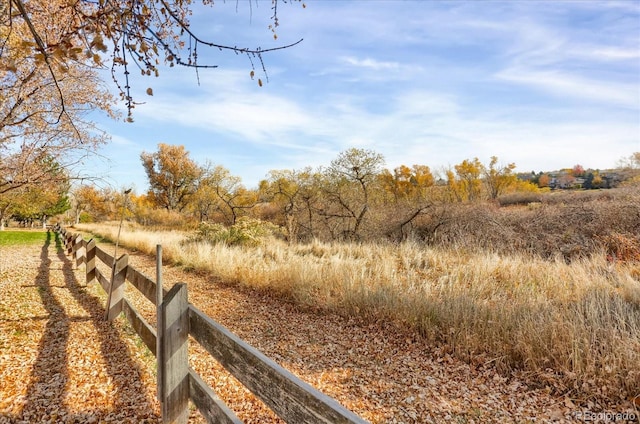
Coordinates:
545 85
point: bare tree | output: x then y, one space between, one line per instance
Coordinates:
351 176
226 192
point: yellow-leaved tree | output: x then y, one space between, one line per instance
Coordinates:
173 176
224 193
466 184
498 178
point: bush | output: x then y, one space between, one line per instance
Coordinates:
245 232
621 247
520 198
210 232
161 219
85 218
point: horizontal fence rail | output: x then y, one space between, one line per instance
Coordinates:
288 396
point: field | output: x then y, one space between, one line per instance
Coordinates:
571 325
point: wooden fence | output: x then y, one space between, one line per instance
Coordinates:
289 397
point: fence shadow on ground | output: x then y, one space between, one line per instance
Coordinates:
49 375
49 385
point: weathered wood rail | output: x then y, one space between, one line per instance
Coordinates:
288 396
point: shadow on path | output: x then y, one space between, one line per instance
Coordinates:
45 397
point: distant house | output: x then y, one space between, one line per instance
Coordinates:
564 180
526 176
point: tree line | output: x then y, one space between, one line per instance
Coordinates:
354 197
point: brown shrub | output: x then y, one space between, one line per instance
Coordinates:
571 226
520 198
621 247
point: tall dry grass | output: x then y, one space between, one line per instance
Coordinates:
579 321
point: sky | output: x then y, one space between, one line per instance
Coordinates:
544 85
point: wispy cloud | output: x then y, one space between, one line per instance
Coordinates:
561 84
609 53
263 120
372 64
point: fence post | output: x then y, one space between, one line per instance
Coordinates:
68 237
174 367
91 260
80 250
116 291
159 334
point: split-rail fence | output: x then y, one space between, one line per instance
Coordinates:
289 397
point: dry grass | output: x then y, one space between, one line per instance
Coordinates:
579 321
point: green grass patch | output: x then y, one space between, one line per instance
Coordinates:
20 237
97 238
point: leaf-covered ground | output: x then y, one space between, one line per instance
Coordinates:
61 362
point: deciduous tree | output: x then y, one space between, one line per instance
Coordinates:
466 184
408 183
283 191
225 193
498 178
632 161
350 177
296 195
37 202
173 176
597 180
26 168
566 180
577 170
83 199
44 103
544 180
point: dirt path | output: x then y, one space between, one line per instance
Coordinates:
60 362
